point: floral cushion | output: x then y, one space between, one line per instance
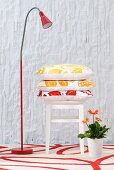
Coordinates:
64 72
83 93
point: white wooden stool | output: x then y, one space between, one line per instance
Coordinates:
50 105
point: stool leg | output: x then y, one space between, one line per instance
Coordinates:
81 127
48 124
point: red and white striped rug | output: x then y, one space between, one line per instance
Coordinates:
61 157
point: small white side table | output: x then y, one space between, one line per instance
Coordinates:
50 105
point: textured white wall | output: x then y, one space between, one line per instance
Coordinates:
82 32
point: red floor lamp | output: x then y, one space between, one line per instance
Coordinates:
46 23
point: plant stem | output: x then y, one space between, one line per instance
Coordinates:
87 125
93 119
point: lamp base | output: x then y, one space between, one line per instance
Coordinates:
20 151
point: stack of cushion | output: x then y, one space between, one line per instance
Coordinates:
65 80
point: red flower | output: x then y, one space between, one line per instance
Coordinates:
71 92
93 112
40 93
98 119
86 120
54 93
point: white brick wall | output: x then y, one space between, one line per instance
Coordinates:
82 32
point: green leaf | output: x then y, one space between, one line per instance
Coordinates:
95 131
81 136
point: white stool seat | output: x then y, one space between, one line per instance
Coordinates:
50 105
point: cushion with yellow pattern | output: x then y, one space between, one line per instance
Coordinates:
64 72
65 85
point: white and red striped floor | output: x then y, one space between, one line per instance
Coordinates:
61 157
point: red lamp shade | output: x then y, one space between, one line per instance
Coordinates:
46 23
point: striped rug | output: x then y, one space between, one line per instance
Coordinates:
61 157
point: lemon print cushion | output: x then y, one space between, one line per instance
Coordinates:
64 72
65 85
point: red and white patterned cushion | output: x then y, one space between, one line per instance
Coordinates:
83 93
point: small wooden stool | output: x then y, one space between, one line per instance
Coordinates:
50 105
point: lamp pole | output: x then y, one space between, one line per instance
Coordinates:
46 23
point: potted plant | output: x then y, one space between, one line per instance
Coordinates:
95 134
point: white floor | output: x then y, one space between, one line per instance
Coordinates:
61 157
